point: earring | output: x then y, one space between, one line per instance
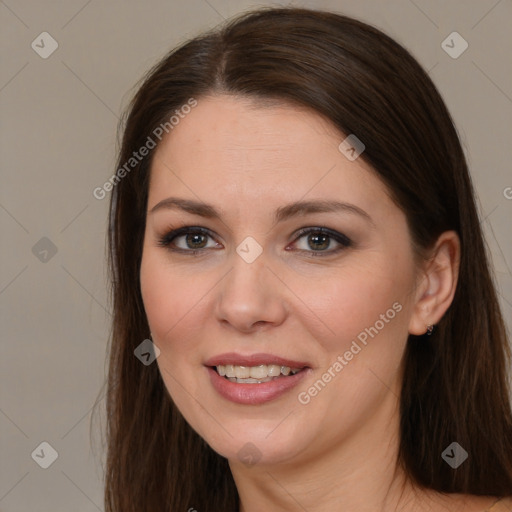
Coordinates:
430 329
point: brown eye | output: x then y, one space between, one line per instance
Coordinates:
318 241
321 241
188 239
195 241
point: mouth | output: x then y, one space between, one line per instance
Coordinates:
254 379
255 374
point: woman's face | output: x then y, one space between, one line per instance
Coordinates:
289 256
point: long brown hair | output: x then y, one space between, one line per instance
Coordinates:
455 382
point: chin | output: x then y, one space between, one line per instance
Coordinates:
254 442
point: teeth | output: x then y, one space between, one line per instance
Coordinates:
243 372
257 372
251 381
285 370
274 370
250 374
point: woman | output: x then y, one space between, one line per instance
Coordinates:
293 227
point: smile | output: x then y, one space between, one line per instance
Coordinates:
255 374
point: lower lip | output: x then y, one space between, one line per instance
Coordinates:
253 394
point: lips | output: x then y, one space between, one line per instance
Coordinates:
254 393
253 360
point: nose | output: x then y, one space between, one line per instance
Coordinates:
250 297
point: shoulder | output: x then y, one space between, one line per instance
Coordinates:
454 502
472 503
501 505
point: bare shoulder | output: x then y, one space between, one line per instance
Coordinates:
471 503
502 505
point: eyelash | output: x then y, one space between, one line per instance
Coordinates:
340 238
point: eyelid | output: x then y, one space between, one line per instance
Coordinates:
339 237
166 239
343 241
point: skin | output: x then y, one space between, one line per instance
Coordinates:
247 159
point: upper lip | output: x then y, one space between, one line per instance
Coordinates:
253 360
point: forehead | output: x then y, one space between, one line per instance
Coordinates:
228 126
246 152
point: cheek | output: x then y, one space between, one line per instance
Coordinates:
172 302
370 295
169 298
366 313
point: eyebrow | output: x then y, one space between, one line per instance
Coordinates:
282 213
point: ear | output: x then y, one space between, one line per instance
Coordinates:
438 281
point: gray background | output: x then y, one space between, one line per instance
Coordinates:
57 141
